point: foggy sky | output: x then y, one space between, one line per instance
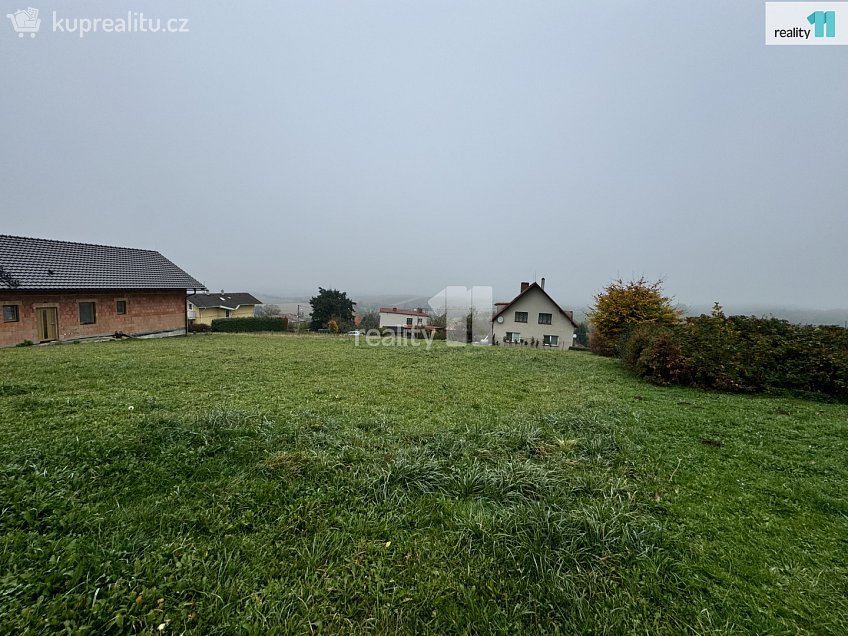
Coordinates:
399 146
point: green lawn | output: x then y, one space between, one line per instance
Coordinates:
221 484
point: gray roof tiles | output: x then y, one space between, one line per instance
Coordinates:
228 300
46 264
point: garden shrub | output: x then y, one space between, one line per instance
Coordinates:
244 325
741 354
721 356
622 306
655 352
600 345
635 343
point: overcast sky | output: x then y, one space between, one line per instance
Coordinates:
398 146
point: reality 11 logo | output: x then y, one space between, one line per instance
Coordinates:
823 19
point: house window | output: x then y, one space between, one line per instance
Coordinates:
409 321
520 316
420 321
190 306
10 313
512 336
226 313
88 313
545 319
121 307
550 341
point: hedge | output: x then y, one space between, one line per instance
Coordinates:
242 325
741 354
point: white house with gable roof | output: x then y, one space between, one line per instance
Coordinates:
533 318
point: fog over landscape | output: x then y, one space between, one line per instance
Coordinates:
390 149
423 317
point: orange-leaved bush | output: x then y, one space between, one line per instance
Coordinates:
622 306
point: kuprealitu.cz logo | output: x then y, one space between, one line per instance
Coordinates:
28 22
25 22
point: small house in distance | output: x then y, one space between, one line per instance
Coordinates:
403 319
533 316
204 308
58 290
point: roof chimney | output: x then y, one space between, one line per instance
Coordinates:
543 282
524 286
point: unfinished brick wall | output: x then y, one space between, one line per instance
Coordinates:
147 312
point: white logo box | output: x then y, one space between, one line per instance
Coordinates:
788 23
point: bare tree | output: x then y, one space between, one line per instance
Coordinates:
267 311
370 320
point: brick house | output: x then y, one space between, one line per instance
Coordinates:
57 291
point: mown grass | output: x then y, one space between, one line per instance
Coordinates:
303 485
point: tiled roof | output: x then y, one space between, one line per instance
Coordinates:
30 263
503 307
403 312
227 301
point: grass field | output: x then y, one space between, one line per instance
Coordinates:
247 484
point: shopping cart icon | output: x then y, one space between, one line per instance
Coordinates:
25 21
